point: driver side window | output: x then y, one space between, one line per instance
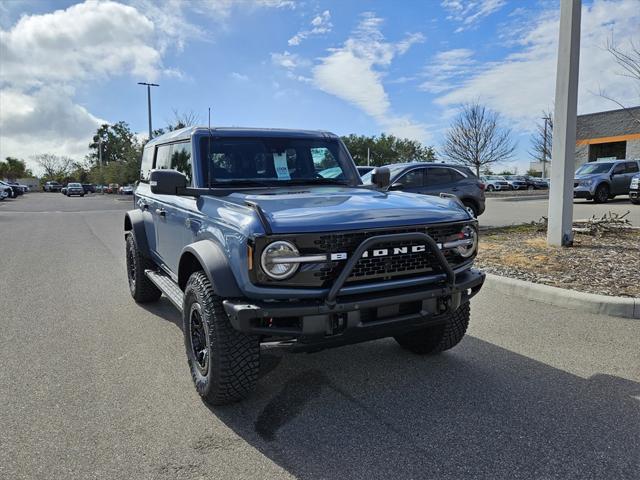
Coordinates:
411 179
619 168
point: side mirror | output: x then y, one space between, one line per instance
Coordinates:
381 177
166 182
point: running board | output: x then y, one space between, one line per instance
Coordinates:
167 286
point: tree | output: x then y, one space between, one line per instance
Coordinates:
541 141
629 60
55 167
121 154
477 139
13 168
385 149
180 120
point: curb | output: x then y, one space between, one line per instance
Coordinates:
625 307
522 198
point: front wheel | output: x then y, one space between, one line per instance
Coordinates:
224 363
530 187
438 338
602 194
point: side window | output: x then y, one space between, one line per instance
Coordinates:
163 160
455 175
438 176
146 164
412 179
632 167
181 159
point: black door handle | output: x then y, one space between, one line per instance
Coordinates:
161 211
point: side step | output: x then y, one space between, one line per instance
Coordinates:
167 286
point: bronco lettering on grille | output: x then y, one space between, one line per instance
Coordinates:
382 252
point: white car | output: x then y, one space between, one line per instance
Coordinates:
495 182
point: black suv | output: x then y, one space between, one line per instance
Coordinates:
437 178
263 236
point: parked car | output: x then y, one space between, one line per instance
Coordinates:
274 252
5 192
112 188
495 182
634 189
127 190
89 188
63 190
604 179
536 182
363 170
15 192
23 188
518 182
52 187
74 189
437 178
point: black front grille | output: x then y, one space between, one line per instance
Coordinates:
368 269
376 268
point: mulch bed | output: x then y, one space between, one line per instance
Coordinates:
607 263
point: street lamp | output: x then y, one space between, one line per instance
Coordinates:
149 85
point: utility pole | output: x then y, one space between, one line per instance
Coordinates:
545 151
563 148
368 158
149 85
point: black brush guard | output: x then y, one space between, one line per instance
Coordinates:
337 319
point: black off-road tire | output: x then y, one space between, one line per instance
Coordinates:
438 338
602 194
141 288
228 371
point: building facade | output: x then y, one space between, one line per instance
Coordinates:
611 134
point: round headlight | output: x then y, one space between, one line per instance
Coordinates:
469 248
273 260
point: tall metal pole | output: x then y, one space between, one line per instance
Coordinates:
563 148
149 85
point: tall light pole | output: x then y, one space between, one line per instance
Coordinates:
563 148
149 85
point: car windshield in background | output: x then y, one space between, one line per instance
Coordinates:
74 185
588 168
273 160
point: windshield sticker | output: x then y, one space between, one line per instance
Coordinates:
280 164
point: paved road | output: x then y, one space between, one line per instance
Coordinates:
500 212
94 386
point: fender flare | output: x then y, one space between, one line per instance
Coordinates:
212 259
134 222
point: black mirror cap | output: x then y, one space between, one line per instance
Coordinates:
381 177
166 182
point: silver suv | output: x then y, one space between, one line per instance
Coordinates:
602 180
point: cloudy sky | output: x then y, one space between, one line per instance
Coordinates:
350 67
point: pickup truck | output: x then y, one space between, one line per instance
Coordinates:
240 230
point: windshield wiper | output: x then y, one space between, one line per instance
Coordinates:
317 181
242 182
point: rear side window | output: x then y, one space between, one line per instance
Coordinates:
438 176
147 164
163 158
456 176
632 167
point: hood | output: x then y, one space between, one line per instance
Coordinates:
317 209
587 175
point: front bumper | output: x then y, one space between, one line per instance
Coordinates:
350 319
582 192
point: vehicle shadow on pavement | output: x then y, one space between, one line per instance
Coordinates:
164 309
375 411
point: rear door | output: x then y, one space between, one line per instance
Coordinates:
440 180
619 184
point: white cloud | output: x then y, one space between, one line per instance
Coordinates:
470 12
320 25
288 60
239 77
523 84
447 69
353 73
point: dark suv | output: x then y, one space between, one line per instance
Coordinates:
437 178
241 230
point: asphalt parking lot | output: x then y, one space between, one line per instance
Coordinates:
509 211
94 386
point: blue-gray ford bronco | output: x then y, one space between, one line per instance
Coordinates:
269 236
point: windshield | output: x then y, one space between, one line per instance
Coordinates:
74 185
274 161
588 168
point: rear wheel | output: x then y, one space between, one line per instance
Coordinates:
602 194
490 188
141 288
437 338
530 187
224 363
